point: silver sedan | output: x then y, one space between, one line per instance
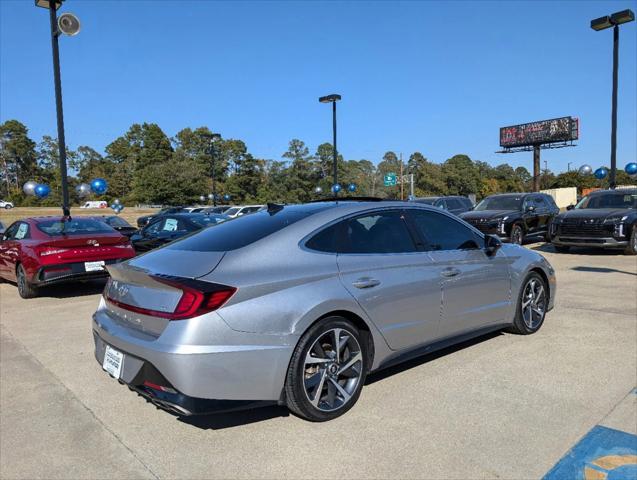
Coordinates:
297 304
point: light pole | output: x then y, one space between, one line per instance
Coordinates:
213 157
69 25
603 23
333 98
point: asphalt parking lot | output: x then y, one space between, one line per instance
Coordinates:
503 406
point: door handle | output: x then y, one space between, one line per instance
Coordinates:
366 282
450 272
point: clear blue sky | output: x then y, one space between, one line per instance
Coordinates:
437 77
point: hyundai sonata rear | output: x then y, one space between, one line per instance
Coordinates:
296 304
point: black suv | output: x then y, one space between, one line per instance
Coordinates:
514 217
605 219
452 204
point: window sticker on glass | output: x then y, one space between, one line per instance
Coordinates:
22 231
171 225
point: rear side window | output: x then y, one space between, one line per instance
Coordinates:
326 240
77 226
381 232
241 231
444 233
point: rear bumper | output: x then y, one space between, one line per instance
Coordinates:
225 365
69 272
601 242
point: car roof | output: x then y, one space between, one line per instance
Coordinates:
619 191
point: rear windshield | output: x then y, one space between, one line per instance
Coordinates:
77 226
242 231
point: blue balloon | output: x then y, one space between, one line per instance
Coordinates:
114 206
99 186
351 187
601 173
42 191
336 188
226 197
120 208
631 168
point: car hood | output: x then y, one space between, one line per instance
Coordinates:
595 213
486 214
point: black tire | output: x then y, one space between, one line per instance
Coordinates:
7 207
521 325
631 249
25 288
561 248
300 374
517 234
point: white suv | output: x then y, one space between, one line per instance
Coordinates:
6 205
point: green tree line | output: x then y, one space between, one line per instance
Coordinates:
145 166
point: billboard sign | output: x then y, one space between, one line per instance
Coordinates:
556 130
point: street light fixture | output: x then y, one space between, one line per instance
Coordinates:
603 23
213 156
69 25
333 98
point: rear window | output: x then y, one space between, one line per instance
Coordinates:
242 231
77 226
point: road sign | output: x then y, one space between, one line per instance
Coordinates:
390 179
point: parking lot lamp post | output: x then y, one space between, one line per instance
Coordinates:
333 98
602 23
53 6
213 156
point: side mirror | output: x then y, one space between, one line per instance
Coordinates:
570 207
491 244
530 208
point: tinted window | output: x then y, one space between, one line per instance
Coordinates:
10 232
453 203
77 226
116 222
325 240
443 233
381 232
426 200
244 230
540 202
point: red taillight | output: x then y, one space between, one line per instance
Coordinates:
193 301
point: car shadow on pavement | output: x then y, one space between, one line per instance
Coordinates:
418 361
601 270
218 421
549 248
70 290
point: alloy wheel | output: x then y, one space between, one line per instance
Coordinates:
332 370
533 303
516 236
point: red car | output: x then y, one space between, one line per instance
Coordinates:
46 250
